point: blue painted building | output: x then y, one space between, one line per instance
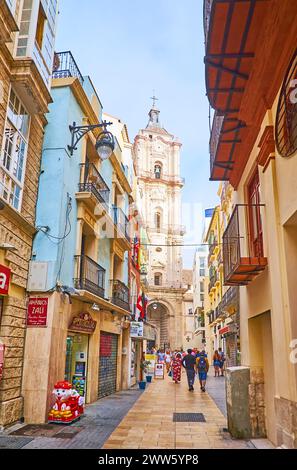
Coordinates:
80 251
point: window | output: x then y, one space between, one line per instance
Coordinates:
158 170
255 222
158 279
40 26
24 28
202 272
14 150
158 220
201 286
190 311
201 297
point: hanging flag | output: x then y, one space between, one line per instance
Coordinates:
141 305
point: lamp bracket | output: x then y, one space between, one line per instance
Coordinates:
77 133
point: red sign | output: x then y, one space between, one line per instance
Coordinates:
37 311
224 330
83 323
2 351
4 279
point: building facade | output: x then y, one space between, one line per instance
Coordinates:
157 162
253 146
27 34
200 272
79 269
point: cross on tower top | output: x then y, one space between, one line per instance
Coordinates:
154 98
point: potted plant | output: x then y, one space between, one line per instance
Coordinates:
144 367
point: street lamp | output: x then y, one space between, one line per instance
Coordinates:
105 143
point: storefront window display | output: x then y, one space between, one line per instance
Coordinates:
77 361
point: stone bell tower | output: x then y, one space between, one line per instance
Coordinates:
157 162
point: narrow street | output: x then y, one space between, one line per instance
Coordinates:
139 420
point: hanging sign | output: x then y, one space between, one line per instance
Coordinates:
136 329
83 323
37 312
2 351
4 279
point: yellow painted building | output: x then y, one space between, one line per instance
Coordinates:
254 147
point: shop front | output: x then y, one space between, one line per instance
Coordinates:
107 383
136 335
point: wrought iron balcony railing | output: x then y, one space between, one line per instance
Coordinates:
65 66
162 177
121 221
216 129
90 276
213 278
243 252
229 304
94 183
206 16
120 295
168 228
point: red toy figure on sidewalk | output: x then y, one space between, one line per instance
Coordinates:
68 406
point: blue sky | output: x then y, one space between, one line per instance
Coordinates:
130 48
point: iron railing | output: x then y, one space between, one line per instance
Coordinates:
217 124
162 177
243 238
206 16
120 294
230 298
65 66
94 183
121 221
90 276
213 277
174 229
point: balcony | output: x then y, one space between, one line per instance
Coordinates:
213 279
121 222
226 134
90 276
231 35
173 229
120 295
243 254
93 186
163 178
65 66
229 304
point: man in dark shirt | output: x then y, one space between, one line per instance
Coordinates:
189 363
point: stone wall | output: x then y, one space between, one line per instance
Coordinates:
257 403
286 427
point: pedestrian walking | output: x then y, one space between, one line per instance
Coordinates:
167 360
176 364
216 363
161 357
189 363
222 361
202 366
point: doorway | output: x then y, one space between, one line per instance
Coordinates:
77 346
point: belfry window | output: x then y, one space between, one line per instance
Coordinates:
158 279
158 171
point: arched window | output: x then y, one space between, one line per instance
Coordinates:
158 279
158 220
158 170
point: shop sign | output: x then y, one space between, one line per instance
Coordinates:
2 351
37 312
4 279
136 329
224 330
83 323
159 371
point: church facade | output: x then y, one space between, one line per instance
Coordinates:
157 163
